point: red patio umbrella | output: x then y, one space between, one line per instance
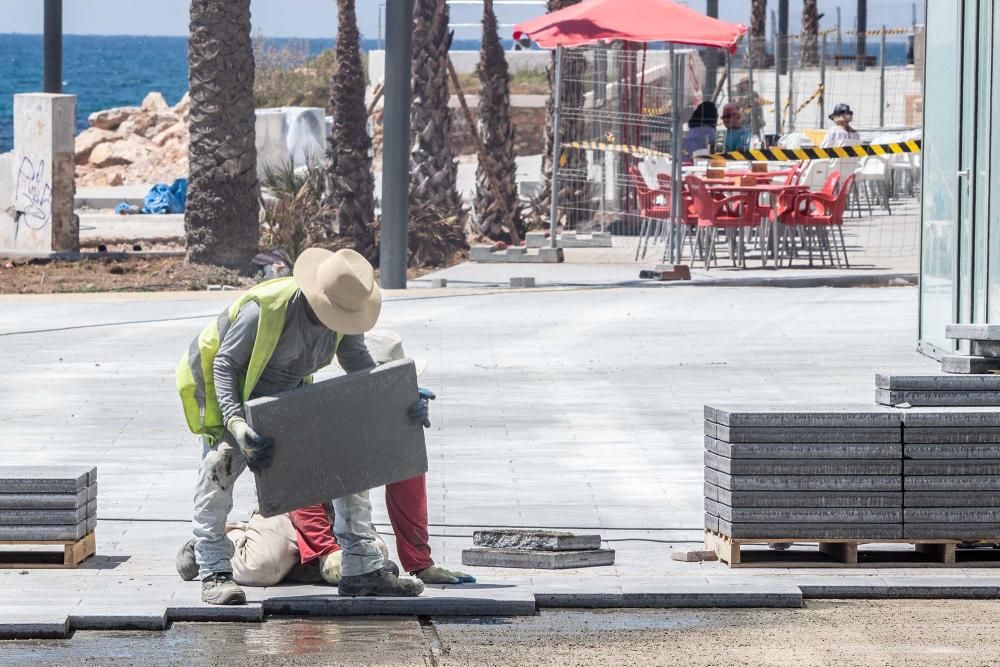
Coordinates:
592 21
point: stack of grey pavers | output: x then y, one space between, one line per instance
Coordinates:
803 475
47 503
951 474
984 349
536 549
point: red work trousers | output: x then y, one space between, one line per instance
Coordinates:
406 503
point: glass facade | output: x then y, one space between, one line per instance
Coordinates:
960 258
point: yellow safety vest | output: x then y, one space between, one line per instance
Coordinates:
195 381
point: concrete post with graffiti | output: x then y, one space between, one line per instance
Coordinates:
37 179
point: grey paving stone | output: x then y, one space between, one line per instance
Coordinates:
985 348
522 282
47 501
962 363
802 467
950 435
896 588
339 436
711 520
972 331
786 499
956 417
938 398
208 613
959 450
837 515
33 623
45 533
970 514
150 616
804 482
535 540
952 531
725 595
471 602
546 599
950 483
537 560
938 382
939 499
800 450
807 531
952 467
797 435
852 416
45 479
33 517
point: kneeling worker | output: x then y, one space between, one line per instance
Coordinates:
269 341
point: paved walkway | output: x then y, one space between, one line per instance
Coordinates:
570 408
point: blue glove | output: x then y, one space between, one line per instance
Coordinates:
420 411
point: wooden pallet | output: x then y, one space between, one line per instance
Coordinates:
73 553
837 553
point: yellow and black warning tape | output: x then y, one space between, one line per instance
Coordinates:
637 151
793 154
818 93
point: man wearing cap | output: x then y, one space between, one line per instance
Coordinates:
269 341
841 134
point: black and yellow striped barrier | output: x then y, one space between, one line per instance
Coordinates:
637 151
793 154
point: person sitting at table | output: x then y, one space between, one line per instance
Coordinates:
701 130
737 136
841 134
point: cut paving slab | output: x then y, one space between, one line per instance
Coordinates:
985 348
972 331
540 560
338 437
535 540
46 479
800 450
793 499
803 466
859 416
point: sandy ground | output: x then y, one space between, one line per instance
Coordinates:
891 633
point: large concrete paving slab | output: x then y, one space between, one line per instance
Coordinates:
937 398
957 483
807 531
850 416
338 437
537 560
803 482
799 450
535 540
45 517
803 466
960 450
939 382
972 331
962 417
804 514
796 434
46 478
792 499
952 467
469 601
48 501
951 435
941 499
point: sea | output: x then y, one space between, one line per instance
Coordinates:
106 71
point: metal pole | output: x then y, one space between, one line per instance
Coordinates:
677 143
881 80
840 42
380 26
396 144
777 90
781 56
822 83
791 86
729 77
861 49
53 46
712 55
556 151
753 94
601 105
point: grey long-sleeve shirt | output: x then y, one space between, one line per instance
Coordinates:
301 350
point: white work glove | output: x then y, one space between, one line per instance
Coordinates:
257 449
329 567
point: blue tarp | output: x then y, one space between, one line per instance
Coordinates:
161 199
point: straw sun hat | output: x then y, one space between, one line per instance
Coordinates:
340 288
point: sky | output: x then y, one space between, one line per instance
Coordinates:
318 18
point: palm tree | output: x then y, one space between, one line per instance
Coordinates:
433 170
810 32
758 32
350 185
573 194
221 219
495 217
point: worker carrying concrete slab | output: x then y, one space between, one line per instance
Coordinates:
300 546
272 340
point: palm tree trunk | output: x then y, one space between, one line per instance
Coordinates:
350 185
495 217
758 32
810 33
221 220
574 195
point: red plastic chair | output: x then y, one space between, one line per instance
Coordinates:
648 206
816 212
733 215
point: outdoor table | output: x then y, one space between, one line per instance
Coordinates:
771 189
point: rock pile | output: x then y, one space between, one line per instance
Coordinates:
135 145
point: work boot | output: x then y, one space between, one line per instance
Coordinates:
219 588
381 583
186 565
